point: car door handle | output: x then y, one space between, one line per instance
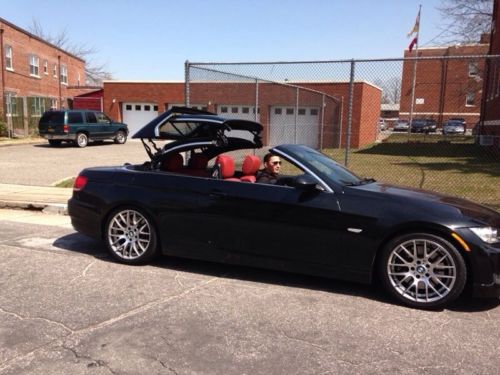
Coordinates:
217 194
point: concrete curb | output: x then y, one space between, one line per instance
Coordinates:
50 208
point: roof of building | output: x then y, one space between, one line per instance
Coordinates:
3 21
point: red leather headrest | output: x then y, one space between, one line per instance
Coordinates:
226 163
172 162
198 161
251 164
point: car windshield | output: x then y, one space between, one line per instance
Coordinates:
325 166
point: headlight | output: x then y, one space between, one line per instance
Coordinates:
487 234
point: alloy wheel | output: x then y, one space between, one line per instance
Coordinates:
130 235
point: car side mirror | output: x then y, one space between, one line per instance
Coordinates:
305 182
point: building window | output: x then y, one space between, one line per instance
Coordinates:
289 111
54 70
234 109
277 111
34 65
128 107
78 80
302 111
469 99
10 99
8 58
223 109
314 112
37 105
147 108
46 67
137 107
155 108
245 110
473 69
53 103
64 74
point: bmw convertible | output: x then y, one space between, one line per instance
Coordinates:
197 197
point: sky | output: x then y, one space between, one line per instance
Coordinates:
150 40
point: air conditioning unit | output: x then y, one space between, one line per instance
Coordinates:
486 140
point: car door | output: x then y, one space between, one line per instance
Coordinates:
272 223
94 128
106 125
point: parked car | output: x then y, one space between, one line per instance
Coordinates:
423 126
382 124
401 126
319 219
80 127
454 127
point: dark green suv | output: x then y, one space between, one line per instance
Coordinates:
80 127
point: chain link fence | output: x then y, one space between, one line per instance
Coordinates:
412 121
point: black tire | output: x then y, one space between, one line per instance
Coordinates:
82 140
422 270
130 236
120 137
54 142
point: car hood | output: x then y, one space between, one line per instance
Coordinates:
479 215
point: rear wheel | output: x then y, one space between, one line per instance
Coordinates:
130 236
423 270
120 137
54 142
82 140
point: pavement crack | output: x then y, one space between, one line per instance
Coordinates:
20 317
302 341
84 272
93 362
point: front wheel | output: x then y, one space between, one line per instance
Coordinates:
82 140
422 270
130 236
120 137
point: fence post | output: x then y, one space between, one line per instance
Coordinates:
186 83
296 113
323 104
349 114
256 100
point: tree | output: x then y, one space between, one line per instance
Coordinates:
391 89
465 20
94 73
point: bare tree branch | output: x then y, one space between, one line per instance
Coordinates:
465 20
94 73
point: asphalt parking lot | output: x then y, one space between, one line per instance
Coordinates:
42 165
65 307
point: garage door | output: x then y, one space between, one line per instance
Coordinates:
136 115
241 112
286 126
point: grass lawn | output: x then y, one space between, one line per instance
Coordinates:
452 165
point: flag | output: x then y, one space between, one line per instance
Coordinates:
416 26
412 44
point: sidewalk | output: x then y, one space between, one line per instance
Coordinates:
43 198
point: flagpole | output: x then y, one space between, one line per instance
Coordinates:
414 72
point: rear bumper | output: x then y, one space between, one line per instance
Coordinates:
59 137
85 219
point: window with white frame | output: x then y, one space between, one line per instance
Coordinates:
53 103
473 69
470 99
34 65
46 67
37 105
8 58
54 70
64 74
11 104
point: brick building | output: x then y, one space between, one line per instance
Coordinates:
319 119
35 76
444 88
490 119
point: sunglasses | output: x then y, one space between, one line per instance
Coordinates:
276 163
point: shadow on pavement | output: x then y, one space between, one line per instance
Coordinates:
85 245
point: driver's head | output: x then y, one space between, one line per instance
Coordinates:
272 163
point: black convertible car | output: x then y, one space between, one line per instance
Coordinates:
196 197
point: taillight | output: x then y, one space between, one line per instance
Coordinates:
80 183
66 129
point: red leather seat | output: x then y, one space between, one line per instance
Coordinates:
173 163
225 163
251 165
198 165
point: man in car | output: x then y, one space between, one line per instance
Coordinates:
270 173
